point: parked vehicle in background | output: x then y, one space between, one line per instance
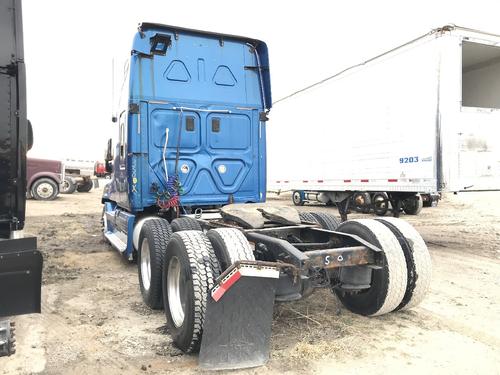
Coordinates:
367 201
20 261
100 170
79 176
44 177
420 119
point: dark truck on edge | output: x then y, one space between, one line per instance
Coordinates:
20 261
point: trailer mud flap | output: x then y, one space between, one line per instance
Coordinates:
238 319
20 276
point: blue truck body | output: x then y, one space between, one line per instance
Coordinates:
209 94
214 87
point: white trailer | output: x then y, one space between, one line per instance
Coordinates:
421 118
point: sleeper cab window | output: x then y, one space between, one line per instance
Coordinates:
215 124
190 123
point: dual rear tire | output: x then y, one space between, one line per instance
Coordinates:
178 266
403 277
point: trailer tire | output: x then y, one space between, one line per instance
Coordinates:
361 200
189 271
153 239
185 223
388 284
413 205
307 216
68 186
418 261
297 198
380 203
327 221
44 189
230 245
85 187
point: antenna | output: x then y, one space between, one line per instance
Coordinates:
112 87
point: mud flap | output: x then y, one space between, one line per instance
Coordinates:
238 319
20 276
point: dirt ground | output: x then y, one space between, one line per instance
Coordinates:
93 320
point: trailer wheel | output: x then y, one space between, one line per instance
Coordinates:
68 186
388 284
413 205
418 261
327 221
380 202
85 187
190 270
185 223
153 239
307 216
230 245
362 201
297 198
44 189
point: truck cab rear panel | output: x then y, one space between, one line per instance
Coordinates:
214 143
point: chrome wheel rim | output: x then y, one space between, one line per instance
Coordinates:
175 289
380 202
145 264
296 197
65 186
45 190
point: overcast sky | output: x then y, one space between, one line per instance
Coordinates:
69 47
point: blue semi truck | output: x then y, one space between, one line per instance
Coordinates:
187 202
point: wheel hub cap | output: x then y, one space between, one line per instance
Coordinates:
45 190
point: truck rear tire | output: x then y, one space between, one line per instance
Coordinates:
85 187
307 216
44 189
413 205
190 270
68 186
380 203
327 221
388 284
230 245
297 198
153 239
418 261
185 223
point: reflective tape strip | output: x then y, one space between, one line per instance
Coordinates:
237 273
226 283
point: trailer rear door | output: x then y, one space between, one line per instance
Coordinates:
477 125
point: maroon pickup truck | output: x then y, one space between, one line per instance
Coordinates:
43 178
